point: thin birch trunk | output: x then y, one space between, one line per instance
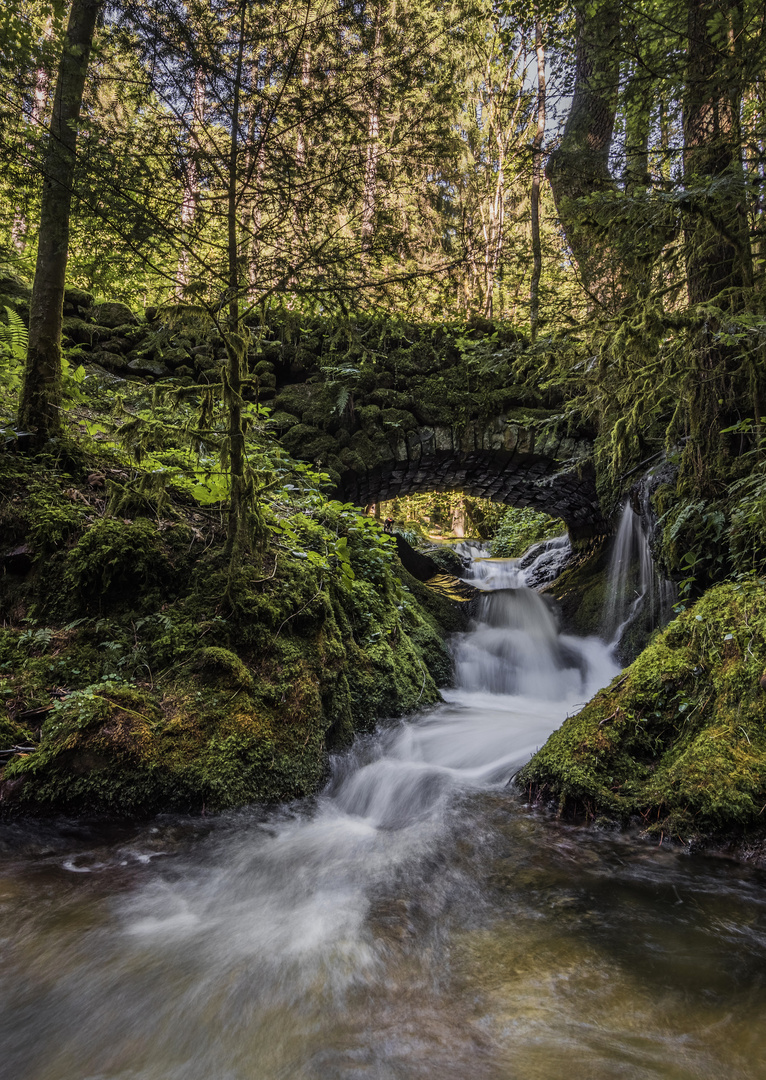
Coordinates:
537 172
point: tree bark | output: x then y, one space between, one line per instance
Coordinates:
235 345
716 238
40 98
537 170
638 105
369 193
40 406
718 254
189 202
579 167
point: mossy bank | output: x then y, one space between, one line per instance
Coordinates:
139 673
677 743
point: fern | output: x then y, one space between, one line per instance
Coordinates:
13 348
14 337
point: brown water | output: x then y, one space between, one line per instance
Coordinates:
511 947
414 921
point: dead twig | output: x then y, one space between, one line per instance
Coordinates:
289 617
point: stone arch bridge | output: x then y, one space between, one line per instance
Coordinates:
386 408
383 448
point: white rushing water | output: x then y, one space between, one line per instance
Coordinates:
635 589
297 894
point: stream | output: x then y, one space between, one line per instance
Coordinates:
414 920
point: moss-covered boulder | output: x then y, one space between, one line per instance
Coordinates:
581 588
139 672
678 741
77 300
113 313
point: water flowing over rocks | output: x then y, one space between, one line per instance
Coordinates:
412 920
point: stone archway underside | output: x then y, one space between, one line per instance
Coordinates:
553 477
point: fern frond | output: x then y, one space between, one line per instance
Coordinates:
14 335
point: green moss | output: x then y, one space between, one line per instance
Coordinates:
13 734
238 708
114 560
175 683
78 297
52 521
679 740
226 664
581 590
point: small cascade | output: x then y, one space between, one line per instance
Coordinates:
514 646
486 573
639 599
538 566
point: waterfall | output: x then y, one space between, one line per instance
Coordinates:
514 646
638 597
538 566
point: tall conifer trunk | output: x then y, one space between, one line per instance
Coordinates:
372 157
235 345
717 244
716 237
580 165
39 409
189 202
40 97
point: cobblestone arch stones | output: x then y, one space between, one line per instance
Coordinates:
498 459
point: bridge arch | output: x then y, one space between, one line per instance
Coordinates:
499 460
386 453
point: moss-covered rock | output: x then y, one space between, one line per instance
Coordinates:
678 742
113 561
581 589
166 680
113 313
78 298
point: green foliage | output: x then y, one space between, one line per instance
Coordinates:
52 521
180 684
13 349
519 529
694 542
115 561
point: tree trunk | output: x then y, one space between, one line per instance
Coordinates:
40 96
718 254
301 148
370 178
638 106
189 203
537 169
716 239
579 167
369 193
235 345
40 405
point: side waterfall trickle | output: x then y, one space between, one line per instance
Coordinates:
639 599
